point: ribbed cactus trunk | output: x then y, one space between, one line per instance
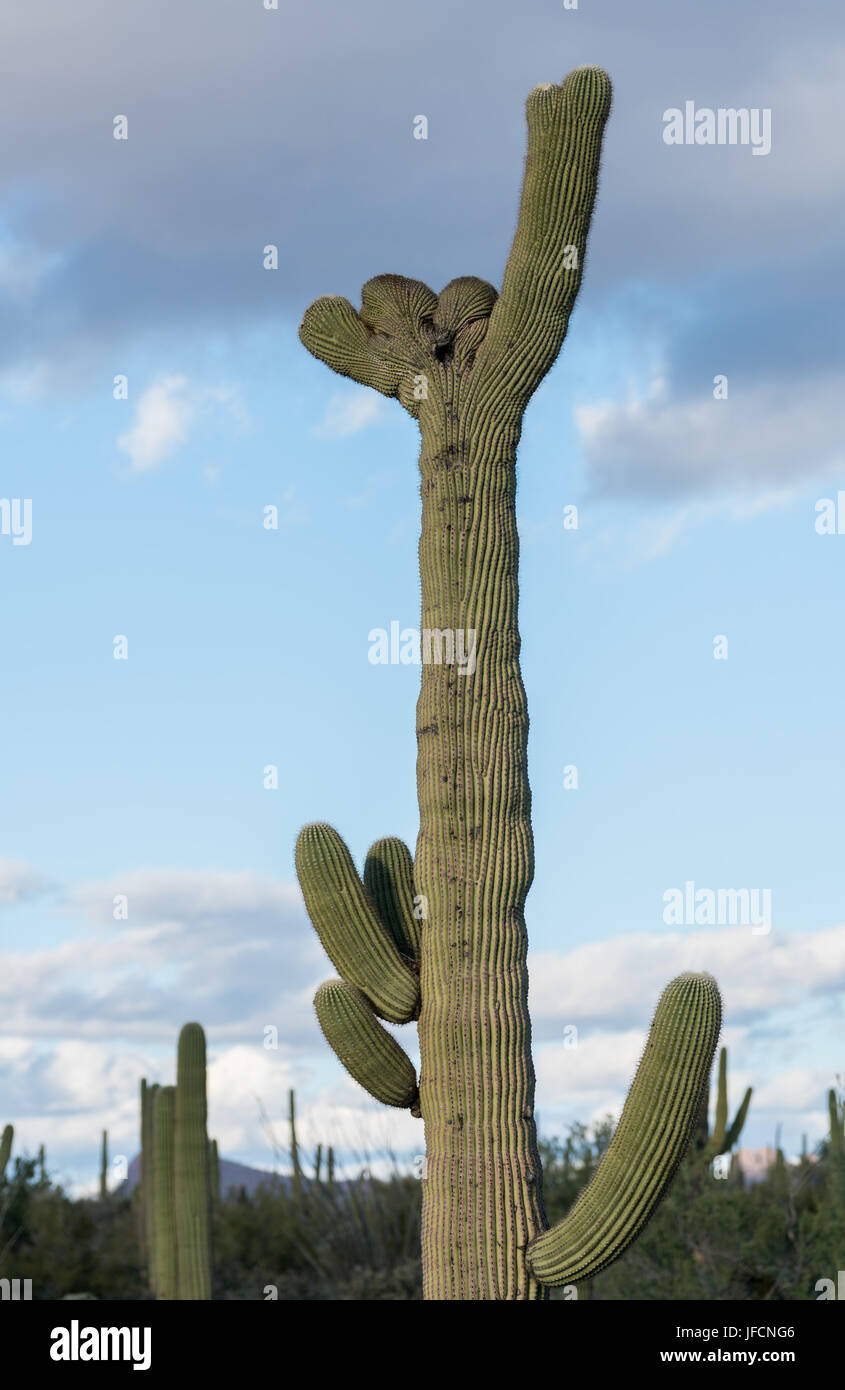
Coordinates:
191 1185
474 864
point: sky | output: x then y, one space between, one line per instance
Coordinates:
681 648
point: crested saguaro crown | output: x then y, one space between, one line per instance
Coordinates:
440 937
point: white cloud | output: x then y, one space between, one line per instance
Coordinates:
18 880
762 443
167 414
617 980
161 425
350 412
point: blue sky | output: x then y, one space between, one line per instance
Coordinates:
248 647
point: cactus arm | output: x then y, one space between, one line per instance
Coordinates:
738 1122
653 1133
543 275
148 1098
720 1121
369 1053
214 1161
164 1258
356 941
104 1167
389 880
6 1149
296 1167
378 347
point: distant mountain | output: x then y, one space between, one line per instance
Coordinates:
233 1176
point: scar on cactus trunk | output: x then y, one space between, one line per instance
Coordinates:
441 938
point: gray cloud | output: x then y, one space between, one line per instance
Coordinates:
294 127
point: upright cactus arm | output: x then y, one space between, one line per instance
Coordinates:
356 940
6 1148
389 880
369 931
725 1136
164 1258
529 320
837 1128
720 1121
738 1123
657 1123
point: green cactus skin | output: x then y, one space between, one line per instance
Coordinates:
357 942
6 1148
214 1160
42 1172
330 1168
369 1053
836 1152
650 1139
389 880
191 1191
296 1166
723 1138
148 1095
464 364
104 1167
837 1137
164 1259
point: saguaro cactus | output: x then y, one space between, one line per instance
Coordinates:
441 938
191 1179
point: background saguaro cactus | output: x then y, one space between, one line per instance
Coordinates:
191 1178
723 1137
441 937
180 1177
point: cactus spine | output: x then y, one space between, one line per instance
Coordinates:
6 1149
191 1189
441 938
